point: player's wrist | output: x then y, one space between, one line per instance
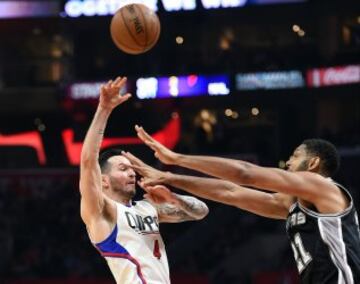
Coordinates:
104 108
166 177
179 159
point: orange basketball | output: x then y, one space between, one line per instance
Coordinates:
135 28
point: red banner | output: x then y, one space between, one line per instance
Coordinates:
340 75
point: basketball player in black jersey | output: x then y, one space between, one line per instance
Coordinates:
321 220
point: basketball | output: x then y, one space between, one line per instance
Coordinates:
135 28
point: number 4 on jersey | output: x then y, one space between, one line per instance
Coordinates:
302 257
157 252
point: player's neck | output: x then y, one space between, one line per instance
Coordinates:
120 198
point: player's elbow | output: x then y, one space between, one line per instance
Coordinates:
245 174
88 161
203 212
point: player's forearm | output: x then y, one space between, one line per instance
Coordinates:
192 206
208 188
94 136
254 201
233 170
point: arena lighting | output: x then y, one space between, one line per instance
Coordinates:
169 136
30 139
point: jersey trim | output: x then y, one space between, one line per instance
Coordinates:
340 214
130 258
111 248
331 233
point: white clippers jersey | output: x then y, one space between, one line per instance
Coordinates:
135 251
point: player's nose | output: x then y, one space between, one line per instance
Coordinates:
287 164
131 172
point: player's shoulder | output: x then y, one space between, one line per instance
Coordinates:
145 205
316 178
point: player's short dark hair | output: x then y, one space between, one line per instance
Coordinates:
326 151
105 156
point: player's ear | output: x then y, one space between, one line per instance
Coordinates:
314 164
105 181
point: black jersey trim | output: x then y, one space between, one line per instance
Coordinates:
332 235
340 214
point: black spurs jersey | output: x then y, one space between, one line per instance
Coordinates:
326 247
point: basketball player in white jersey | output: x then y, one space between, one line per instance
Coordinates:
126 233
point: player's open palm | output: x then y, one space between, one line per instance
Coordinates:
164 154
110 96
159 194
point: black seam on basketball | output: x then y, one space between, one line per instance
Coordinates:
123 44
119 45
145 29
128 29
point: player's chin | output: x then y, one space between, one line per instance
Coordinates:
131 189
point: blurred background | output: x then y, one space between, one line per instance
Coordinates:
233 78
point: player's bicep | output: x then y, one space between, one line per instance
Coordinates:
300 184
264 204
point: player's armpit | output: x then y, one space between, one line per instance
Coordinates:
187 208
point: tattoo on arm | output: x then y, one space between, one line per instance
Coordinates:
189 208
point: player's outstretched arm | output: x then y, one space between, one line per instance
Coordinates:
306 185
92 200
175 208
264 204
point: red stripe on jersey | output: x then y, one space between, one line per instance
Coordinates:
128 257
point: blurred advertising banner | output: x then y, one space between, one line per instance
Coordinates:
28 9
89 8
270 80
331 76
87 90
182 86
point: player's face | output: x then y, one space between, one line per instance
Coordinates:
299 160
122 177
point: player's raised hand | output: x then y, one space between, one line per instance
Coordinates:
110 93
164 154
159 194
151 176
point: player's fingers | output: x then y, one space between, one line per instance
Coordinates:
117 80
152 145
141 134
148 182
146 135
138 169
150 198
134 160
124 98
121 82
